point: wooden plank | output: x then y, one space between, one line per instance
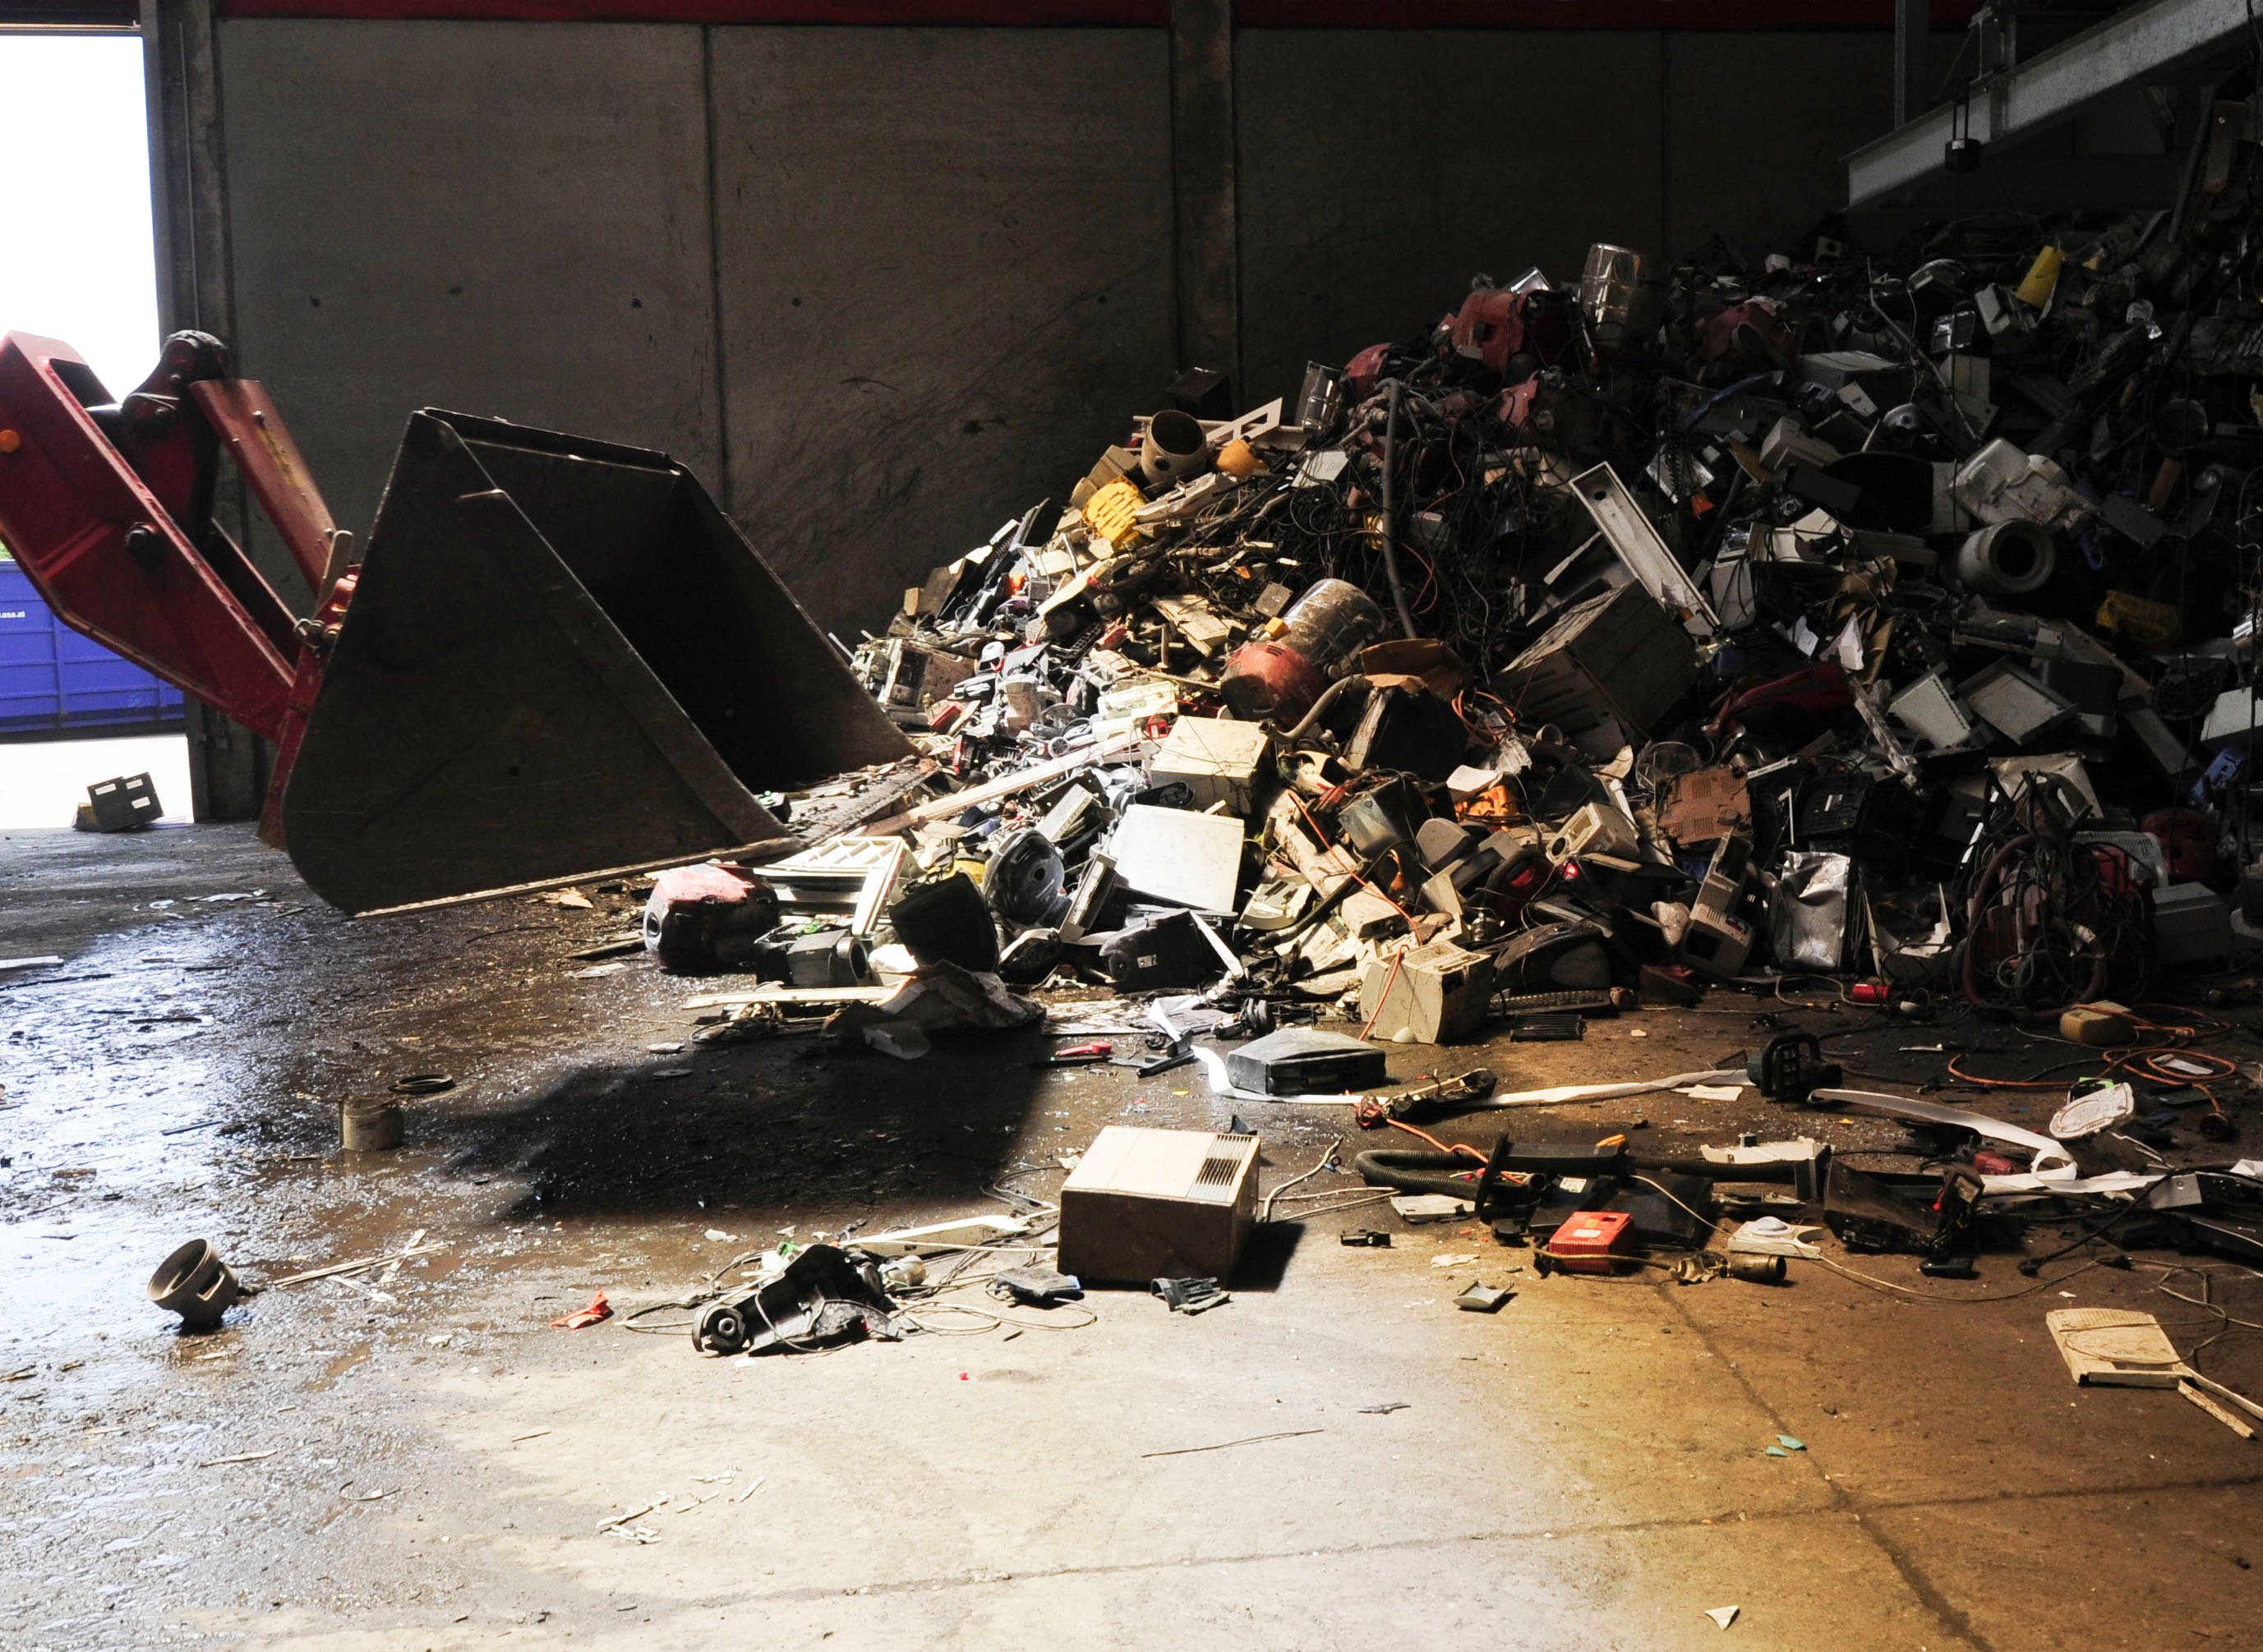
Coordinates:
2234 1423
772 993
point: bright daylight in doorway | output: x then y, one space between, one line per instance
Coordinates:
84 209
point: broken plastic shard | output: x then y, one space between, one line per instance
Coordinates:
2093 1112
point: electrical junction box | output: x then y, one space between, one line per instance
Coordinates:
1144 1205
1436 994
1215 760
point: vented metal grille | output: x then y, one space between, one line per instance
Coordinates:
1220 1168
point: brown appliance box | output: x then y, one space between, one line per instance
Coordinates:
1157 1204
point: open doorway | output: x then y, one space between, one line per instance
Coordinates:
80 266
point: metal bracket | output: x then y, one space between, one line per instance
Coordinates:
1639 548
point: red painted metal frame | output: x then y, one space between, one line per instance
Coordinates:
1691 16
121 545
855 13
304 685
1248 14
269 461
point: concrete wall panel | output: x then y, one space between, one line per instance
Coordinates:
494 218
945 283
1758 127
1380 170
942 258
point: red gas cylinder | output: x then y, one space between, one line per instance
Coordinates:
1269 680
1280 676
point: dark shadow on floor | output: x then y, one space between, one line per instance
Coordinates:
794 1121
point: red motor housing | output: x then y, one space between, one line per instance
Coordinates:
705 919
1270 680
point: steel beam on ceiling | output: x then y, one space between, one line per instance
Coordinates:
2162 40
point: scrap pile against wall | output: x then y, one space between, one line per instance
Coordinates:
1592 648
1814 618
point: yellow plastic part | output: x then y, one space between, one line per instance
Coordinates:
2101 1026
2042 278
2151 625
1238 459
1113 512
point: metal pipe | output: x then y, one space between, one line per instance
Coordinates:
1329 695
1912 47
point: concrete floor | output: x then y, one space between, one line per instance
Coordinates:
430 1467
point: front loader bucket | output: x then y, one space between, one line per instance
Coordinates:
560 657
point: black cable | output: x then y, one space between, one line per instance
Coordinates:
2033 1265
1391 509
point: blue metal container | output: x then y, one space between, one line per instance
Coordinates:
55 682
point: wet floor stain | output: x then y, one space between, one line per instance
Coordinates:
345 1362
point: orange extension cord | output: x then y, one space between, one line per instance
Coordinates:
2144 1062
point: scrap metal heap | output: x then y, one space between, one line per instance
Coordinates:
1885 625
1831 617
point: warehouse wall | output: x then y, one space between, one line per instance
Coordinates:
883 287
485 217
946 280
1380 170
